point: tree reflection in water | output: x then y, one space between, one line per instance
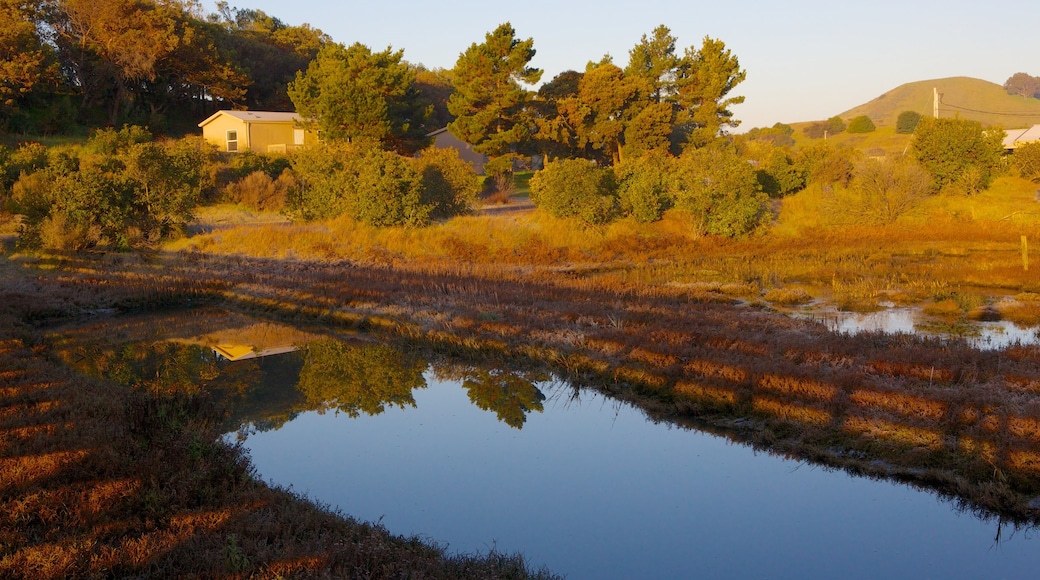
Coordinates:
511 395
359 379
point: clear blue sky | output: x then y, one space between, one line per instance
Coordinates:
805 59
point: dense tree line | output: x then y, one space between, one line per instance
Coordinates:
160 63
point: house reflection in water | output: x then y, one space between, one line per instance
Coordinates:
235 352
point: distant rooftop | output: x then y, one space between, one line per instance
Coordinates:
1016 137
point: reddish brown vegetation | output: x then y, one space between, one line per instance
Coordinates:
941 414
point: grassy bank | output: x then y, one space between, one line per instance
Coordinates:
102 480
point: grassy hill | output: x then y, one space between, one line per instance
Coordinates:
978 100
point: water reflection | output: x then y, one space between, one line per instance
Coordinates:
359 379
510 394
980 334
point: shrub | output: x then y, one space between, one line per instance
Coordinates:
110 141
826 164
720 189
328 180
449 183
1026 160
861 124
643 186
389 192
576 188
259 192
907 122
881 191
958 152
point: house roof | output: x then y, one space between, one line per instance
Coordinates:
256 117
1016 137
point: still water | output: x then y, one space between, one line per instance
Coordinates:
590 488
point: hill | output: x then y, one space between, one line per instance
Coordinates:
975 99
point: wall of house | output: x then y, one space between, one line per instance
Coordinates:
270 137
215 132
445 139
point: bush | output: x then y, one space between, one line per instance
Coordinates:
110 141
389 192
1026 160
643 186
881 191
449 183
328 180
958 153
826 164
907 122
576 188
261 193
720 189
861 124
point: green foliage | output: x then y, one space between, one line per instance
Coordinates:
328 180
363 96
861 124
643 186
704 80
377 187
359 379
907 122
1026 159
831 126
720 190
389 192
654 61
110 141
777 173
449 183
130 194
28 64
576 188
958 153
489 103
880 192
779 134
826 164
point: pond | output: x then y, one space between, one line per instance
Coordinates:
479 459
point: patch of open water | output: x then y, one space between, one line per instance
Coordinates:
591 488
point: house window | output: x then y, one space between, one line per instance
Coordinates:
297 137
232 141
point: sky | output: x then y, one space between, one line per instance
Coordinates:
805 59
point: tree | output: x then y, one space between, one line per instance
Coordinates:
719 188
705 79
27 63
907 122
861 124
358 95
958 152
510 395
1023 85
654 61
882 190
489 103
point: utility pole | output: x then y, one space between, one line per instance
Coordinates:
935 102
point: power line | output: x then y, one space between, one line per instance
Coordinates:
1005 113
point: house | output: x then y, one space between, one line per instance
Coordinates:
1017 137
442 139
258 131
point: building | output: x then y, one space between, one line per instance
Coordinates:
442 139
258 131
1017 137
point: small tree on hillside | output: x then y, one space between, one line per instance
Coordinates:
861 124
958 152
907 122
1024 85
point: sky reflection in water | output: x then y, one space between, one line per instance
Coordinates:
592 489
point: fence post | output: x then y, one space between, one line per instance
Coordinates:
1025 254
